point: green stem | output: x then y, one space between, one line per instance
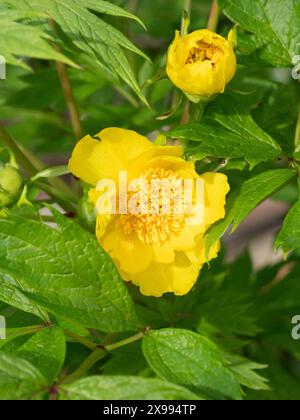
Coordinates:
186 17
19 152
185 23
84 341
297 133
19 332
68 92
214 16
122 343
127 95
197 111
188 6
99 352
33 165
60 196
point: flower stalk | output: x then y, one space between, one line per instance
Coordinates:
68 92
214 16
99 352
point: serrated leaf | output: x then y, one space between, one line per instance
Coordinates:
289 236
233 314
228 131
18 40
66 271
19 379
243 200
274 23
124 388
244 370
46 351
282 298
191 360
91 34
108 8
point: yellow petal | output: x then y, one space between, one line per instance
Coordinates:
184 274
197 255
163 253
126 143
186 239
132 255
177 278
155 281
148 159
93 160
215 190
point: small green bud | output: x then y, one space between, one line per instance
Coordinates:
11 183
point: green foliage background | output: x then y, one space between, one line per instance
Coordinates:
62 297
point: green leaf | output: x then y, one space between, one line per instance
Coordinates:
274 23
51 172
16 333
244 371
289 236
19 39
11 293
91 34
124 388
108 8
243 200
19 379
228 131
66 271
232 315
189 359
283 298
46 351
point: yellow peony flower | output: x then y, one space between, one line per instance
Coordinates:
201 63
161 252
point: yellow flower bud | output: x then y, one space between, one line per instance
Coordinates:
201 63
10 185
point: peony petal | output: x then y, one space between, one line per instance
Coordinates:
186 239
183 274
155 281
93 160
132 255
159 279
215 190
197 255
163 253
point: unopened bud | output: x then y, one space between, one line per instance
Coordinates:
11 183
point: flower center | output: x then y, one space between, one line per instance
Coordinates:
205 52
155 208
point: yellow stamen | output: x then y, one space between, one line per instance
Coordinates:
203 52
162 217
